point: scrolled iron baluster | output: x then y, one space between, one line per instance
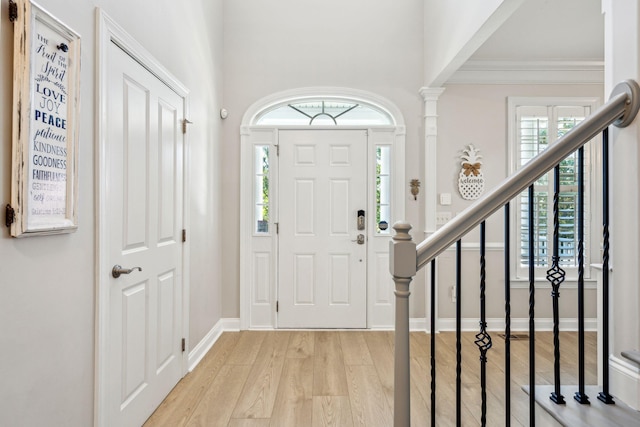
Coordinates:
483 339
556 276
580 395
604 395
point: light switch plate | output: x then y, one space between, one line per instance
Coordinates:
445 199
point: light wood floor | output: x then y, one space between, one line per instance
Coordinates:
318 378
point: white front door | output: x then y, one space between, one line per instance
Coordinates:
322 272
144 155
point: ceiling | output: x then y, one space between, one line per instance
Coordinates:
548 30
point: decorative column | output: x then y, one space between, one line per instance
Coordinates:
430 97
402 265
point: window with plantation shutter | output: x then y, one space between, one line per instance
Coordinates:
534 125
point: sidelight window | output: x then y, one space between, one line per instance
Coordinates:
261 188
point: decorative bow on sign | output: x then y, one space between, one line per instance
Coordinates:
471 168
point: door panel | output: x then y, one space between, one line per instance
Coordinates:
339 266
168 148
322 269
135 163
144 196
134 313
166 319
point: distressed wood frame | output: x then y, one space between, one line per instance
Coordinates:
46 94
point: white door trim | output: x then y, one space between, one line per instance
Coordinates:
108 31
257 291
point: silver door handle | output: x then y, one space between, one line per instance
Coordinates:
359 239
117 270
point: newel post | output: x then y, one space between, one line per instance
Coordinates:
402 265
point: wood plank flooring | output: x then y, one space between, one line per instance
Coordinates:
345 378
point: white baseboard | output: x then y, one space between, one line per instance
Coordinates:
201 349
625 381
230 324
517 324
418 324
415 324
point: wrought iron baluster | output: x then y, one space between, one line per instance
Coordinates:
458 334
433 343
556 276
532 329
483 339
580 395
604 395
507 316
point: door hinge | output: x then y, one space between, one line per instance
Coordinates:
184 235
277 306
10 215
277 224
13 11
184 344
185 122
277 150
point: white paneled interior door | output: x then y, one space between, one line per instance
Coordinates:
144 158
322 268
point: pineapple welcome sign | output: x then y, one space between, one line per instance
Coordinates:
471 178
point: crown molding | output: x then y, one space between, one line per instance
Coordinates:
529 72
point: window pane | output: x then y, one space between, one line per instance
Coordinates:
383 189
538 127
540 216
325 112
567 229
534 138
261 188
534 132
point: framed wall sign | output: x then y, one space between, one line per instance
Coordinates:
46 89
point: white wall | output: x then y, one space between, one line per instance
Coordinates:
454 29
47 284
622 59
477 114
274 46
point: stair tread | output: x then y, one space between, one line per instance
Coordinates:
596 414
632 355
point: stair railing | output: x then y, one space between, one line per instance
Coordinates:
406 258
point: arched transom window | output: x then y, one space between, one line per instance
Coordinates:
324 112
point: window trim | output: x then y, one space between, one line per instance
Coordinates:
594 187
